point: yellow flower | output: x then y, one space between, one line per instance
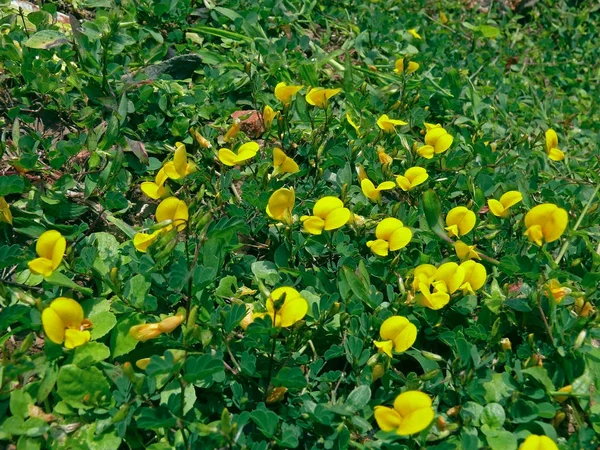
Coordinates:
566 389
443 18
244 153
284 93
268 115
156 189
63 321
399 66
398 334
557 292
283 163
545 222
535 442
412 178
174 210
413 33
438 138
319 97
142 363
352 123
411 414
179 167
474 276
5 215
281 204
142 241
464 251
146 331
50 248
374 193
233 131
554 153
391 235
201 140
500 208
286 307
384 158
423 273
387 124
426 151
452 275
436 299
460 221
328 214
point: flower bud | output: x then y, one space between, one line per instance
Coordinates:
580 339
276 394
248 318
431 356
506 344
170 323
142 363
561 398
558 418
378 371
145 331
441 423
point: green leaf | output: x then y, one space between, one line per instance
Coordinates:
291 378
234 316
266 421
267 271
204 370
488 31
541 375
60 279
501 440
220 33
82 388
227 287
11 184
493 415
136 292
90 354
121 342
46 39
20 402
359 397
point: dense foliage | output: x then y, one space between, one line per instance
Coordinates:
299 224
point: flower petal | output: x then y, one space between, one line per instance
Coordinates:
387 227
426 151
386 186
433 135
511 198
379 247
41 266
337 218
387 418
556 154
152 190
416 421
75 338
392 327
325 205
69 311
180 159
293 310
403 183
551 139
443 143
411 401
227 157
142 241
385 347
400 238
53 326
313 224
46 242
368 188
58 252
496 208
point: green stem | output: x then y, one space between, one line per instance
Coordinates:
566 244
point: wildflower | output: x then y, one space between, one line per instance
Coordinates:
426 151
391 235
284 93
374 193
233 131
554 153
464 251
281 204
452 275
556 291
248 318
50 248
535 442
5 215
384 158
283 163
474 276
156 189
244 153
505 344
319 97
351 122
545 223
412 178
142 241
63 321
460 221
328 214
433 299
438 138
285 306
201 140
411 414
413 33
423 273
146 331
500 208
174 210
398 334
387 124
179 167
399 66
268 116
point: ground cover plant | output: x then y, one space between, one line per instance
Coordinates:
287 224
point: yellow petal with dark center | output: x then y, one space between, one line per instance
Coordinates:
337 218
53 326
387 418
41 266
400 238
75 338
